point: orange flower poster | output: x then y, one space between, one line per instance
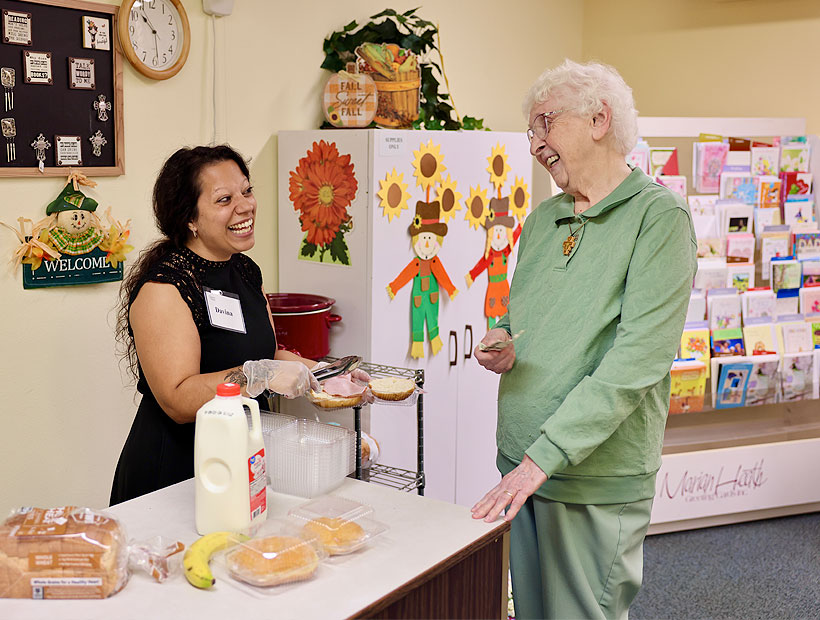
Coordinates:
322 187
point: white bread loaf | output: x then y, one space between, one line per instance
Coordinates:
61 543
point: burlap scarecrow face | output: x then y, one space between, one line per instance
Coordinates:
73 209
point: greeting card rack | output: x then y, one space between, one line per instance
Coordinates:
745 463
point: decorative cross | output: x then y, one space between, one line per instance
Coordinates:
98 141
103 107
568 245
40 145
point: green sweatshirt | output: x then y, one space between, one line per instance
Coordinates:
588 395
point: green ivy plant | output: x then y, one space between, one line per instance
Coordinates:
408 31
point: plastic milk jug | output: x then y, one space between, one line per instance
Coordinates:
229 464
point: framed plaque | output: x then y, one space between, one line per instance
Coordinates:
96 33
67 151
81 73
16 27
37 68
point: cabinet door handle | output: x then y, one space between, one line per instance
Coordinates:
454 347
468 350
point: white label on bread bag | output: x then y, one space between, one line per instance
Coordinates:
66 587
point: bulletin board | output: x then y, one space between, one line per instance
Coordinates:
76 103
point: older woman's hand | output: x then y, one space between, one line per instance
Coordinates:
512 491
496 361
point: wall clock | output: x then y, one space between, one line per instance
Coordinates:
155 36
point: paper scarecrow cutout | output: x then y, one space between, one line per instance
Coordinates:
71 227
498 218
322 186
428 275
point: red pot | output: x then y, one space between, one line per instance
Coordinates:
302 322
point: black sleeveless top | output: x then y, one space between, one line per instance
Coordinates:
159 452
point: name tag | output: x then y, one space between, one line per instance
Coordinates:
224 310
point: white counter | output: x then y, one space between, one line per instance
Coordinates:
423 533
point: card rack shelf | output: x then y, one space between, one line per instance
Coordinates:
765 433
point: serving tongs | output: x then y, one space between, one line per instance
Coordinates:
339 367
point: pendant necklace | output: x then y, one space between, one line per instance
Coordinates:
569 244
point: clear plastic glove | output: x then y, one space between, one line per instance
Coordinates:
289 378
360 376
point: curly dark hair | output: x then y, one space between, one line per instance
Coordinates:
175 197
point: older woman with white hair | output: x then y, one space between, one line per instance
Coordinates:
598 300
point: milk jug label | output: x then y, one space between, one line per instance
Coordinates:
257 475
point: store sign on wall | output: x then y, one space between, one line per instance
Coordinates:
731 480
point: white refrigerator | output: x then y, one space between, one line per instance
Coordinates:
347 202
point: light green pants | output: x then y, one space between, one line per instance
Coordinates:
577 560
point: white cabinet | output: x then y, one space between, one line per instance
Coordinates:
460 401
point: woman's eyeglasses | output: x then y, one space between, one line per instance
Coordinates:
540 127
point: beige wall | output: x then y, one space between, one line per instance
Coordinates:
65 407
712 57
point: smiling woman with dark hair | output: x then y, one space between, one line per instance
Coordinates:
599 298
171 325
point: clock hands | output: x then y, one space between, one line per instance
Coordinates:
153 31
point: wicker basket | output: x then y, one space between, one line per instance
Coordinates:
398 100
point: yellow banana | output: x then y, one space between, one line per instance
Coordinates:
197 556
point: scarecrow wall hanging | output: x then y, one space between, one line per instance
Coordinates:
427 233
501 237
71 244
322 187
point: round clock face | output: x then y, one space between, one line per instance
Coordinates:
155 33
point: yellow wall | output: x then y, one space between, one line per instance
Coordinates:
65 407
752 58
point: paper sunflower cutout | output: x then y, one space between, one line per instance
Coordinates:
393 194
428 165
449 198
477 206
519 199
498 168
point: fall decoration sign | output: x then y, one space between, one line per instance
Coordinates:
71 245
350 98
322 186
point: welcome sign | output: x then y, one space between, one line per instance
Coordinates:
89 268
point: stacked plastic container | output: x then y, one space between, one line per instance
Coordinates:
307 458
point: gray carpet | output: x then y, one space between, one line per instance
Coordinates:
760 570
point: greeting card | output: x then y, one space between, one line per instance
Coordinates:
697 306
797 376
796 335
774 242
794 158
806 244
711 273
740 247
738 186
726 342
659 157
794 184
732 384
688 386
810 299
723 308
766 216
785 273
639 156
760 337
799 215
734 217
787 302
768 191
759 303
811 270
702 204
677 183
709 159
765 160
695 342
764 380
740 276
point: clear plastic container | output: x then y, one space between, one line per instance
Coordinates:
342 525
278 554
308 458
